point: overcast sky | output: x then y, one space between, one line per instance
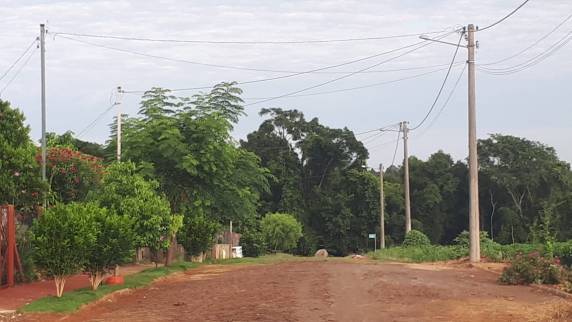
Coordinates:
533 103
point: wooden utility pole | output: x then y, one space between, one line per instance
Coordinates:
118 103
381 210
474 238
406 178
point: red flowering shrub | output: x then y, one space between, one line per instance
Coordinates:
532 268
71 174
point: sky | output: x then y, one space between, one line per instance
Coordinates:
81 78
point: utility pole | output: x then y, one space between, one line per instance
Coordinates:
381 210
406 178
118 103
43 71
474 234
43 86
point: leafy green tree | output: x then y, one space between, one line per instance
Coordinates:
281 231
113 244
415 238
20 181
67 140
198 234
185 144
128 194
61 238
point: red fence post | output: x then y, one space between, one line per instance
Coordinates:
11 245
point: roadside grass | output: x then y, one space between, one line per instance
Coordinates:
71 301
430 253
264 259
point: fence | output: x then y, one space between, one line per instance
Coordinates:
7 245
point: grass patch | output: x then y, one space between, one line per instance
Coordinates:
71 301
429 253
265 259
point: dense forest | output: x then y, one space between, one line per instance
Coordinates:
290 164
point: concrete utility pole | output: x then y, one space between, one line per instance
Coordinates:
381 210
406 178
118 103
474 238
43 85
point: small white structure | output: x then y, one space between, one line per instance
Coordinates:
237 252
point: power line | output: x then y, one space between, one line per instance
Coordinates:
361 87
531 46
342 77
19 58
396 146
378 129
444 104
505 17
97 119
532 61
299 73
236 42
442 85
18 71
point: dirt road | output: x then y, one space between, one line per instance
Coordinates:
332 290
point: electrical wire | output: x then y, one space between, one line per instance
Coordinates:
343 77
505 17
97 119
396 146
377 129
19 58
531 46
18 71
235 42
532 61
442 85
445 103
360 87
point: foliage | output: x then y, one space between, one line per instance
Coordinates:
20 183
252 242
428 253
185 144
563 251
113 244
71 174
415 238
531 268
72 301
62 237
25 251
281 231
128 194
198 233
68 140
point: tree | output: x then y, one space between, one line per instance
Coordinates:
20 181
61 238
281 231
71 174
128 194
185 144
113 244
198 234
67 140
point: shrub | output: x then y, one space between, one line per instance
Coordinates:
113 244
429 253
415 238
281 231
531 268
198 234
252 242
61 238
563 251
489 248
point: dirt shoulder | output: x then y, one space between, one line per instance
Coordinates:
333 290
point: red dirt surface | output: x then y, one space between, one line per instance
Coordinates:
15 297
332 290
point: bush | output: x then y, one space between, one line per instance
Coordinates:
198 234
61 238
415 238
489 249
281 231
113 244
563 251
531 268
252 242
